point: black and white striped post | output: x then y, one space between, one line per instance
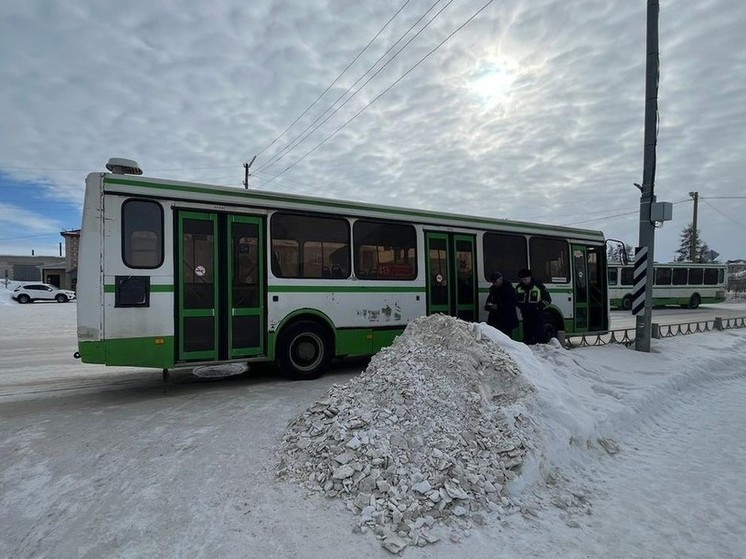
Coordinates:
639 280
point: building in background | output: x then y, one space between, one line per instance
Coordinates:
61 271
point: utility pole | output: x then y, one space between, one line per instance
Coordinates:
246 167
693 250
647 199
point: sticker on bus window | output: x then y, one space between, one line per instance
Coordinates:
200 271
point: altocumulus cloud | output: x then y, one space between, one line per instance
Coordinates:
532 111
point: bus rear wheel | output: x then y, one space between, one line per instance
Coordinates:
627 303
550 327
304 350
694 301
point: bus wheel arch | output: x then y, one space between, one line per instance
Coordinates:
627 303
694 301
305 346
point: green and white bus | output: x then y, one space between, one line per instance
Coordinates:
176 274
684 284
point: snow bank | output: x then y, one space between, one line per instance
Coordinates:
424 441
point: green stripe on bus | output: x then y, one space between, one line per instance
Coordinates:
154 288
156 352
342 289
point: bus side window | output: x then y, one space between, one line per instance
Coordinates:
276 268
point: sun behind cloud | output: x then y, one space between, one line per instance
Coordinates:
491 81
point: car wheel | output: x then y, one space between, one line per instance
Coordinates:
304 350
61 298
694 301
23 299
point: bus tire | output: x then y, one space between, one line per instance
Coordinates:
694 301
304 350
627 303
551 326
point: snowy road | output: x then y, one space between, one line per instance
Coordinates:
113 463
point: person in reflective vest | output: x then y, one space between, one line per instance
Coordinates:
501 304
533 298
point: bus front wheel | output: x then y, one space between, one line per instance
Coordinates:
627 303
304 350
694 301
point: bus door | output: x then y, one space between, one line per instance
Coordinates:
580 287
220 287
451 275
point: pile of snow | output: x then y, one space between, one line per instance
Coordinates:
424 442
6 291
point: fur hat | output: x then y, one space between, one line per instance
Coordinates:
524 273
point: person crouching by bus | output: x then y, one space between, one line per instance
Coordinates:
501 304
533 298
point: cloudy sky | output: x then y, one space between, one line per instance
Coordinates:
531 111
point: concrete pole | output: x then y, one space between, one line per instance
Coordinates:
647 227
693 250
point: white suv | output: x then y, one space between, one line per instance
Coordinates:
29 292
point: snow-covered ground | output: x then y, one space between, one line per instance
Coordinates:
614 453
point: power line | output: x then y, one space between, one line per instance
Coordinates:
300 138
335 79
617 215
723 214
386 90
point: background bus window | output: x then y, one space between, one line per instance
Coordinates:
711 276
305 246
613 276
384 250
504 253
663 276
627 276
695 276
679 276
550 260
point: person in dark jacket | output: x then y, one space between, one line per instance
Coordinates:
501 304
533 298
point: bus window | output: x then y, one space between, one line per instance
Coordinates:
679 276
310 246
550 260
627 275
384 250
663 276
142 234
505 254
613 274
695 276
711 276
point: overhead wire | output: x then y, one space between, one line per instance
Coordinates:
300 138
330 136
270 144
